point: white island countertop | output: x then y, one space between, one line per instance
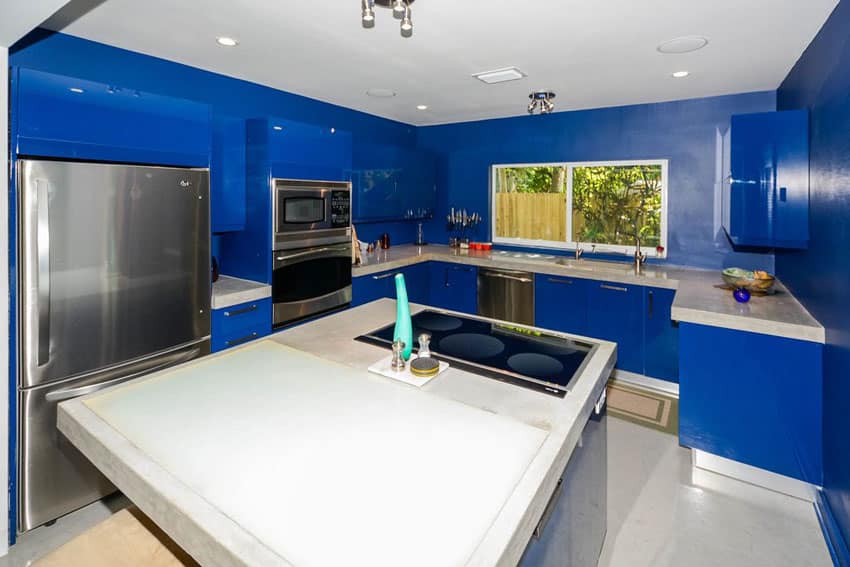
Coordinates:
288 452
697 299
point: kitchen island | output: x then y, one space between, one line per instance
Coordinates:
288 452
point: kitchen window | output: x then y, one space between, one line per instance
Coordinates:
594 205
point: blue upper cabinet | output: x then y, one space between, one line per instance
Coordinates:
227 174
392 183
66 117
308 151
766 195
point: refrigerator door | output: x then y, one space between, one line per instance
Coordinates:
114 264
53 477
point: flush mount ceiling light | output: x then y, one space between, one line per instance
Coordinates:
542 101
380 93
499 75
227 41
685 44
680 74
422 107
401 11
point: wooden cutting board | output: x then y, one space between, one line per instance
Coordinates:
326 464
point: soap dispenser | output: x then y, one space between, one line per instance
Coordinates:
403 325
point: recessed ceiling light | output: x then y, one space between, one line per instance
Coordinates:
227 41
278 128
685 44
76 90
499 75
680 74
422 107
381 93
333 130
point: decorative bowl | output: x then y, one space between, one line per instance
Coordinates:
749 280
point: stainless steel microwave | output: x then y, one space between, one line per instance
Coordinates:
310 213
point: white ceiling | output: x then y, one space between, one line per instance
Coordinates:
591 53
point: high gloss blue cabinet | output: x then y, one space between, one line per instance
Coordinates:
298 150
615 313
766 194
227 174
242 323
454 287
392 183
375 286
756 399
661 335
560 303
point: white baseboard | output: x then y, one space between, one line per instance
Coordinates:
641 381
754 475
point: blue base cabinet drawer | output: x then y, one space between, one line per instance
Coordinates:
560 303
376 286
615 313
454 287
238 324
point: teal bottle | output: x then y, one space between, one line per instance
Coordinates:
403 325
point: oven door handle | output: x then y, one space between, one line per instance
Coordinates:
335 251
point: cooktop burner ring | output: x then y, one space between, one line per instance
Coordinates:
436 322
473 346
536 365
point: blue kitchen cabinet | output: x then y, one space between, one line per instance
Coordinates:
766 194
297 150
391 183
227 174
615 313
560 303
661 335
454 287
67 117
376 286
753 398
239 324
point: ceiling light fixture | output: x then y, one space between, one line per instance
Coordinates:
277 128
227 41
542 101
422 107
381 93
499 75
685 44
680 74
76 90
401 11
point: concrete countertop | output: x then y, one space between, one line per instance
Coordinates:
697 299
178 490
229 291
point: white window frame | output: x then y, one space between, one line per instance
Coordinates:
572 245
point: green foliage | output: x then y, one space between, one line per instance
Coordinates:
543 179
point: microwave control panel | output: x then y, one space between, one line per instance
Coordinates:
340 209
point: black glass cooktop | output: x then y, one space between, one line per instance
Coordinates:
540 361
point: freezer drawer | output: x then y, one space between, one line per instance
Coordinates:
54 478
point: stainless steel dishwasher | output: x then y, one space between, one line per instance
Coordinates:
507 295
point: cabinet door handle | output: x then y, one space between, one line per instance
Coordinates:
240 311
651 299
567 282
614 288
385 276
235 342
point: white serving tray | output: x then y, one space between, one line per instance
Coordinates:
384 368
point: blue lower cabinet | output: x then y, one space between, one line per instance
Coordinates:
560 303
375 286
238 324
615 313
756 399
661 335
454 287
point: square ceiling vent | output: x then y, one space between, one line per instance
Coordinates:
500 75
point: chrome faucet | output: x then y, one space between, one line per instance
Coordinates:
640 257
579 250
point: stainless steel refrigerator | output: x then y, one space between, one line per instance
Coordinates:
113 283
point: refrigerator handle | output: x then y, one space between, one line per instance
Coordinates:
42 245
57 396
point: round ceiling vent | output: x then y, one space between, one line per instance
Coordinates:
381 93
684 44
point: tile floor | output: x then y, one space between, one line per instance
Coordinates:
659 514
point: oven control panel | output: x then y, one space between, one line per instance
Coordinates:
340 209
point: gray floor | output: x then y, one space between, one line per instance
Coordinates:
659 514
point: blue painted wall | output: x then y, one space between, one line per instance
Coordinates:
820 276
685 132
